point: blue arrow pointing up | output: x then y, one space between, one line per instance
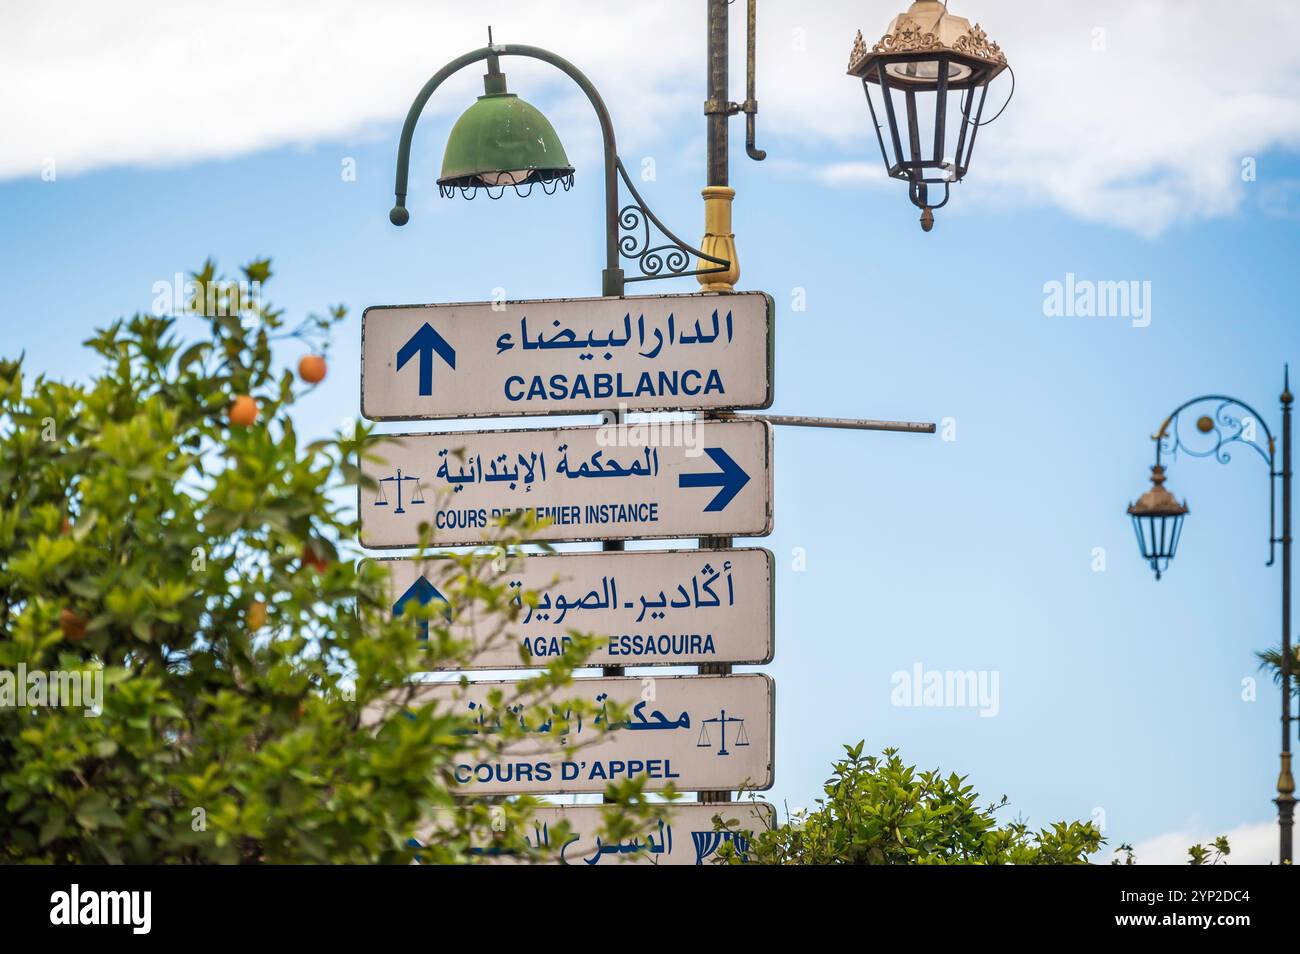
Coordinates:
730 479
425 342
423 592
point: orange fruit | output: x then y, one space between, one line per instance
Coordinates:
243 412
312 368
311 559
256 615
73 624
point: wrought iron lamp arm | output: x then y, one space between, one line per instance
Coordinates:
1226 427
651 260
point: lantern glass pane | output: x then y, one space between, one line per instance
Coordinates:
1137 532
1147 536
1177 532
918 153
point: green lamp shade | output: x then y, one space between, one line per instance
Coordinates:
502 140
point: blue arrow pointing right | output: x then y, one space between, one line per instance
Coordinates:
426 342
730 478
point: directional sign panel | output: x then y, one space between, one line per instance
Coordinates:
684 835
567 356
654 608
696 733
646 481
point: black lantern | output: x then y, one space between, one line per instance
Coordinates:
1158 522
925 55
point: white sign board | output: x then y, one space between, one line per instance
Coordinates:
653 608
685 834
666 480
566 356
697 733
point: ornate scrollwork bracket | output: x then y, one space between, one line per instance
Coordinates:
1208 426
655 258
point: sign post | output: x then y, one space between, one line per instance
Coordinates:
706 354
654 480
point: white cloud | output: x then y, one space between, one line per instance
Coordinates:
846 173
1144 134
1251 845
161 81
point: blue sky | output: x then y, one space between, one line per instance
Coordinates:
1117 694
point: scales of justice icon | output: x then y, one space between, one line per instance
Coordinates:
722 719
417 496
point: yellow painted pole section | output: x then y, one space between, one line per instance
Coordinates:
718 239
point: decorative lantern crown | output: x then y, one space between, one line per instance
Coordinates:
928 27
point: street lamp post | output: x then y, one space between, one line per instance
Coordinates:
1158 518
502 142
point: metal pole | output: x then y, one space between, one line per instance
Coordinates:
716 173
750 106
1286 782
1282 472
717 158
845 423
618 418
612 285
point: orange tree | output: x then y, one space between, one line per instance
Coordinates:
167 537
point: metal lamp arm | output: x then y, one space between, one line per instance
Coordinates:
651 259
1168 437
400 216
